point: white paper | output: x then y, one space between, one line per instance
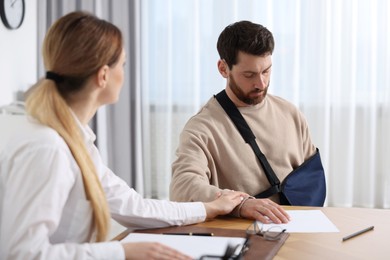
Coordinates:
193 246
305 221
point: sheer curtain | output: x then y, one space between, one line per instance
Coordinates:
332 59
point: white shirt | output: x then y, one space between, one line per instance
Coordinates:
44 213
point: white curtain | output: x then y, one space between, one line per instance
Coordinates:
332 59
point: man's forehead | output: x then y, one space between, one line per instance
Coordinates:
249 62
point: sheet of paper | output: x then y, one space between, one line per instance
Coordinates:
193 246
305 221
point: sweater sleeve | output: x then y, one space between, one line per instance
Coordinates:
191 175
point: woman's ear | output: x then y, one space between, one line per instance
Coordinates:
103 76
223 68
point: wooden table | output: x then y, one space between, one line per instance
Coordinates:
372 245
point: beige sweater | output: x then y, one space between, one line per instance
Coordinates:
212 155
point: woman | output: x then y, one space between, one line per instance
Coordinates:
56 195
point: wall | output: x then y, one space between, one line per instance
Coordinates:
18 55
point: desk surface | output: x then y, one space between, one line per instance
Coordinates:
371 245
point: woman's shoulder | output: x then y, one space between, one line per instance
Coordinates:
28 132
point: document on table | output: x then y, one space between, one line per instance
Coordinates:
305 221
193 246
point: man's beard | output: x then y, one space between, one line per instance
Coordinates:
246 97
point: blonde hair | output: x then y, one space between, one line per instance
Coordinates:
75 47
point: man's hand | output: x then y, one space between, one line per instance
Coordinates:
264 210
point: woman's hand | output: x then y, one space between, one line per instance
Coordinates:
151 250
226 201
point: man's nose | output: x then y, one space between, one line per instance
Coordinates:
261 83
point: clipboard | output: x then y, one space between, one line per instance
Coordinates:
259 248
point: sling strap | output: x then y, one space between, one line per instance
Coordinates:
244 129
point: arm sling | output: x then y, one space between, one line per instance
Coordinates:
304 186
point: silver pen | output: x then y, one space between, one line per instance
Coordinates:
358 233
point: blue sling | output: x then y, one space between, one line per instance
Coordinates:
304 186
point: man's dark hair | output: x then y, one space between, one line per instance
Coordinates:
244 36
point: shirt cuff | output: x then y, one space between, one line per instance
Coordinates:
196 212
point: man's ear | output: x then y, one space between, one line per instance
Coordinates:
103 76
223 68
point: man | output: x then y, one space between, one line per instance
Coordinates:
212 155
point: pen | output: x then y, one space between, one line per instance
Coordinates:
358 233
191 234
